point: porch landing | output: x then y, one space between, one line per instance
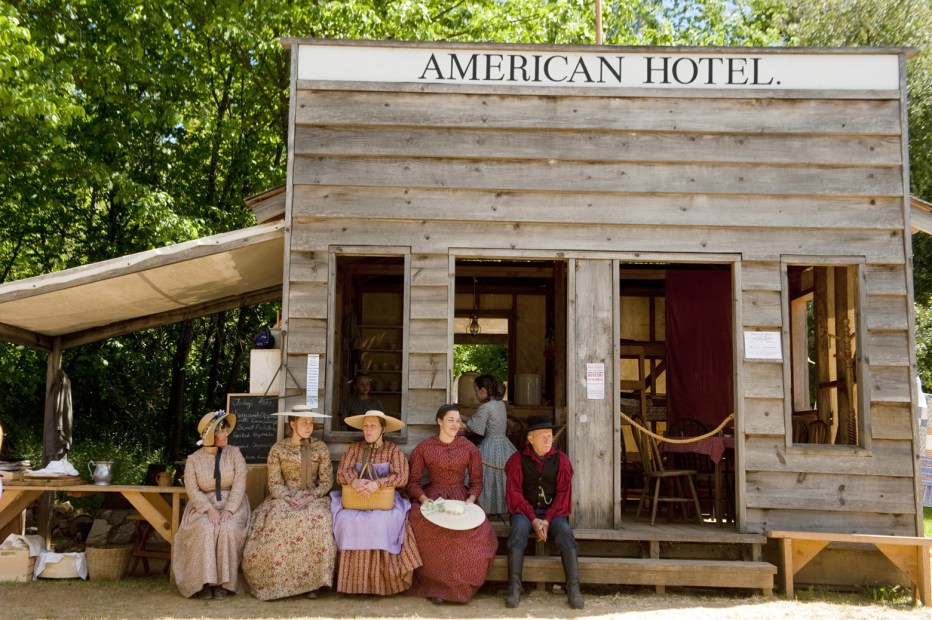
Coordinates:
673 554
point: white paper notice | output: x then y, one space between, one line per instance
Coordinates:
313 379
595 381
762 346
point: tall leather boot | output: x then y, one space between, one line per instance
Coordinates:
571 570
515 568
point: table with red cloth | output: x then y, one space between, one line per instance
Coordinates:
714 448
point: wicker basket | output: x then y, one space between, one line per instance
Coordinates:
383 499
107 562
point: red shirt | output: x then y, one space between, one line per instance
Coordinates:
514 494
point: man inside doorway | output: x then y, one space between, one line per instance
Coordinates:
539 495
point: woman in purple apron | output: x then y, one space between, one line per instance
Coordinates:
377 550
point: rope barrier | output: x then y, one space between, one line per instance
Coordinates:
649 432
502 468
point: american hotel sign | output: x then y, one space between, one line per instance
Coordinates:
730 69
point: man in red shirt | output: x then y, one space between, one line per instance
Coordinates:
539 494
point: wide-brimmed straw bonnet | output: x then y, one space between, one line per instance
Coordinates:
302 411
391 424
207 427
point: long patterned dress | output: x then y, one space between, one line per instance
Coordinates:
455 561
378 553
207 554
491 421
289 551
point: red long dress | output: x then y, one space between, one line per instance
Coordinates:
455 561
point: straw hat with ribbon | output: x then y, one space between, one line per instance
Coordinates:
207 427
391 424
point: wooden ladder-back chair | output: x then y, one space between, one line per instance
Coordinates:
655 475
800 431
700 463
631 471
819 432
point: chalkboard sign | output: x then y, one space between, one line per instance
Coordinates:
256 427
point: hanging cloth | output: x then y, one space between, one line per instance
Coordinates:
217 474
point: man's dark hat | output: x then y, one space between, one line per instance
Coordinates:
540 422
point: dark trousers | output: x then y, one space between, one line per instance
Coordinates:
559 534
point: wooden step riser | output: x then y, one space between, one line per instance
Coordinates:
627 571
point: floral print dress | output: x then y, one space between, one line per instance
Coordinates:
289 551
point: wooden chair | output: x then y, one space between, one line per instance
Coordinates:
655 473
800 431
631 472
819 432
701 464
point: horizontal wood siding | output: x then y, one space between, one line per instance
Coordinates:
562 175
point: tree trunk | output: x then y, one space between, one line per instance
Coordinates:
176 398
213 366
238 350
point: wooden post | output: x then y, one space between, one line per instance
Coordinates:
45 500
591 421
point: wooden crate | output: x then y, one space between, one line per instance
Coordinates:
16 565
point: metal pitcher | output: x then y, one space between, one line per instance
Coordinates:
101 472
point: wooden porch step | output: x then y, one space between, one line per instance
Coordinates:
647 572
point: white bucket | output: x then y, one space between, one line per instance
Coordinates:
527 390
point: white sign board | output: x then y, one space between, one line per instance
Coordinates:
595 381
732 70
313 379
762 346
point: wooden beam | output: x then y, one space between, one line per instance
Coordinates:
17 335
175 316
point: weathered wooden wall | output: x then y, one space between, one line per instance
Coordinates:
594 177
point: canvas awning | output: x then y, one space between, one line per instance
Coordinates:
139 291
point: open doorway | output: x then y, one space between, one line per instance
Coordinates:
676 373
510 318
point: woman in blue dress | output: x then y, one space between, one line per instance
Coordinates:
491 422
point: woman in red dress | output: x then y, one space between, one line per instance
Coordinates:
461 558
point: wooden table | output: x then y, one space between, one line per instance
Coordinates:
148 500
714 448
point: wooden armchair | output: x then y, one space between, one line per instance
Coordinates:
670 479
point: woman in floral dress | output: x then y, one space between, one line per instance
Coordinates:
209 542
290 548
378 553
491 421
460 559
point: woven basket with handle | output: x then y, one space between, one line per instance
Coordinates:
383 499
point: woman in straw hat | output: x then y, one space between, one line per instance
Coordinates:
378 553
290 548
458 571
209 542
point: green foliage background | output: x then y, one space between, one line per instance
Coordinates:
129 125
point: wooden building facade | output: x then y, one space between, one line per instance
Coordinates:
575 194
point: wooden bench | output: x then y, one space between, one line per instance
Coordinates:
646 572
751 573
910 554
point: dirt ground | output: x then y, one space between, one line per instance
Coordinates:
155 599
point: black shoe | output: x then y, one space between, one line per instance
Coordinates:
221 593
436 600
312 594
206 593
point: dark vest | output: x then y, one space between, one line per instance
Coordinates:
545 481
